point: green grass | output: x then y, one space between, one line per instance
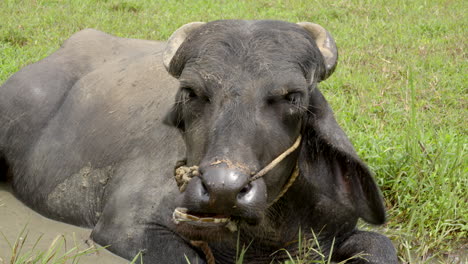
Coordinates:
310 248
57 253
400 89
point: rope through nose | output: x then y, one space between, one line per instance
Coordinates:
183 174
276 161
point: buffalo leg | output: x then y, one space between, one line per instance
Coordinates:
377 248
156 243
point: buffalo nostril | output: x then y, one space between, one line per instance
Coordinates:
204 189
244 191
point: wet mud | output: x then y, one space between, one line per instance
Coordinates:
14 216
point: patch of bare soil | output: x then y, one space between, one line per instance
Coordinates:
14 216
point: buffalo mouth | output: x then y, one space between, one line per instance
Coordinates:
181 215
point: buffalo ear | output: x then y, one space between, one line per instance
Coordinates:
351 180
174 43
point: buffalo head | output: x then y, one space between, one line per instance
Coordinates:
248 90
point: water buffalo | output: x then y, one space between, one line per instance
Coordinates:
91 136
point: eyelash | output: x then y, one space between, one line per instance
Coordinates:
189 92
292 98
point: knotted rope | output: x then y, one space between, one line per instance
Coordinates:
183 174
206 250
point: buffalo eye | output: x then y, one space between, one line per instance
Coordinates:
293 97
188 93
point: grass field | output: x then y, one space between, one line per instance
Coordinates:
400 89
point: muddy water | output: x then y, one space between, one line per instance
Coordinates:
14 216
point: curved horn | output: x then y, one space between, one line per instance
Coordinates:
176 39
325 43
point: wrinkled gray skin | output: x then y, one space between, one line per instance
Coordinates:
82 140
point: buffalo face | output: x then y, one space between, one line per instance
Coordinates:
243 99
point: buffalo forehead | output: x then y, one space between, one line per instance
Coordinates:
258 48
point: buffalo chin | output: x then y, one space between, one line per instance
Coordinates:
204 233
206 227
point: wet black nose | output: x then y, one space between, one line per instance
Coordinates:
221 190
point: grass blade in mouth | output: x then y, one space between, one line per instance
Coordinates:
181 215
